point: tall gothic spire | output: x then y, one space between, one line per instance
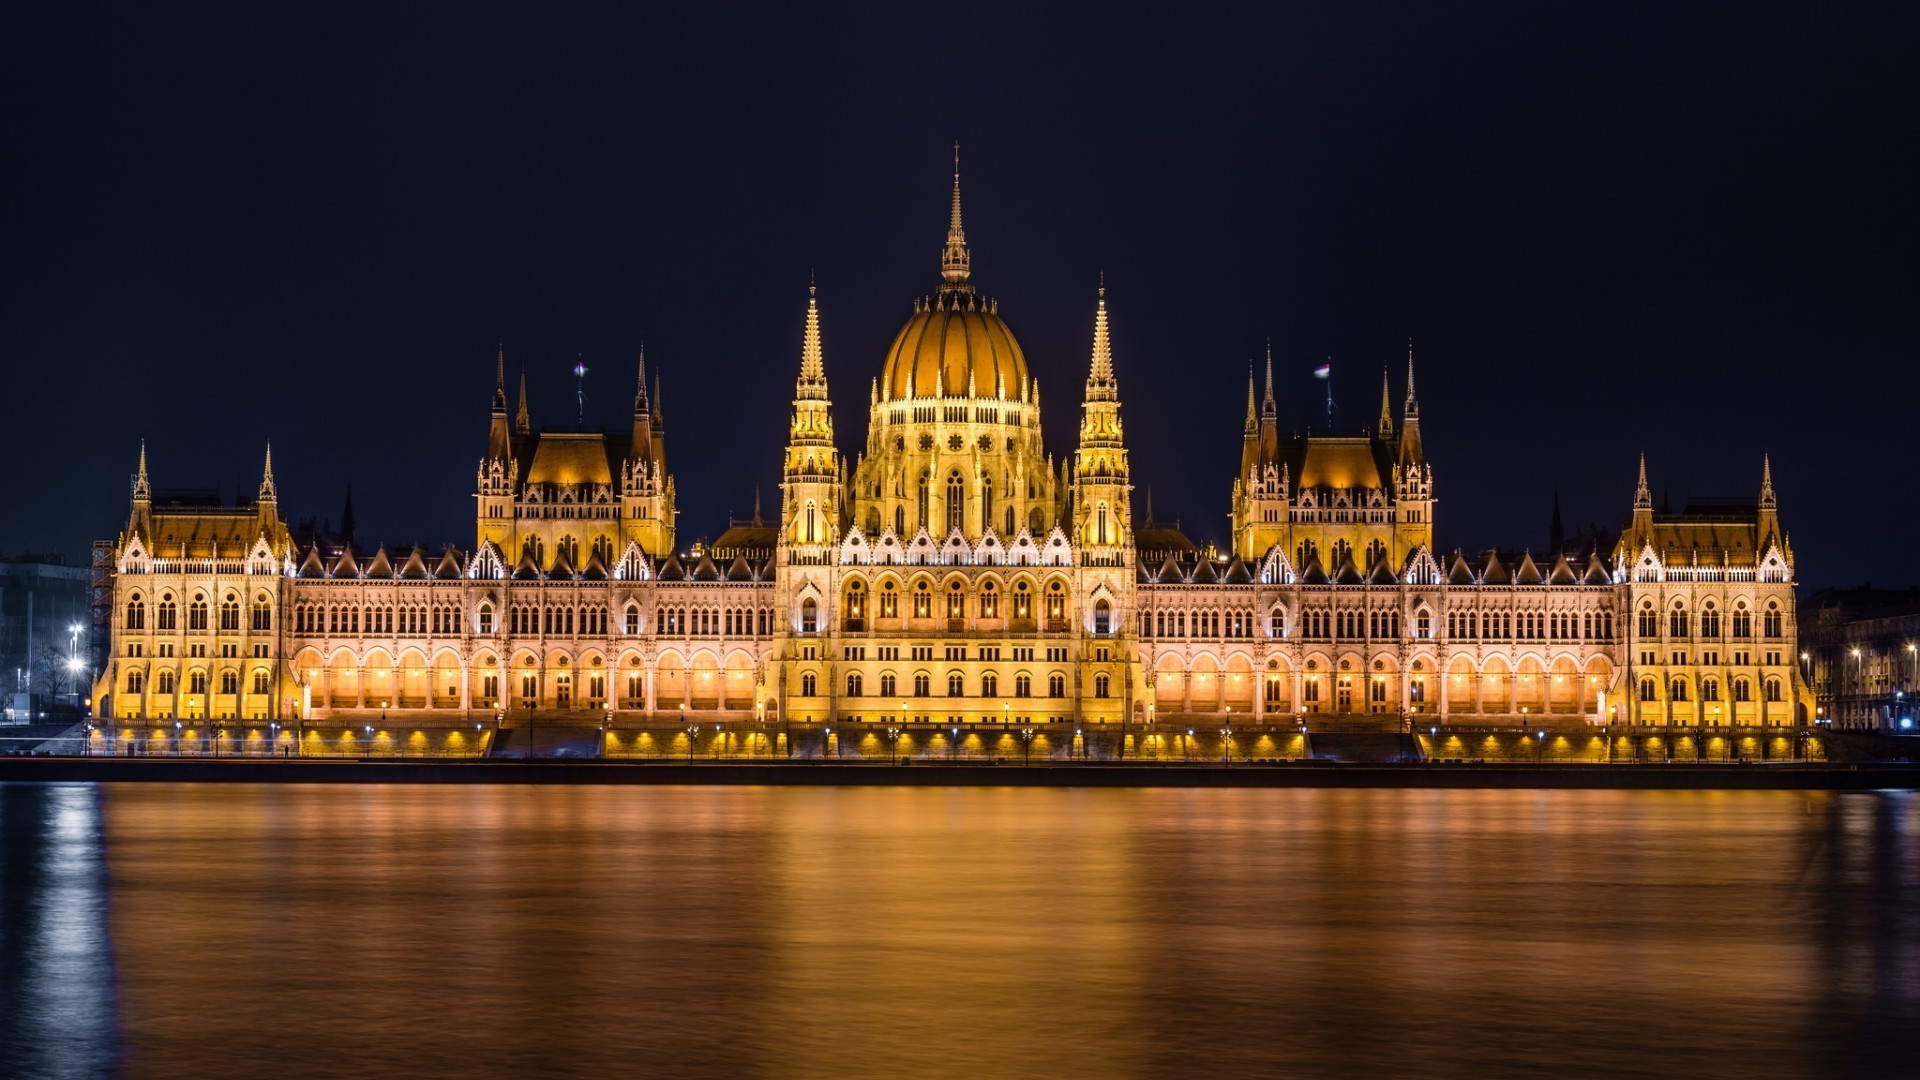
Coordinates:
522 423
812 362
1252 414
1766 482
955 262
1386 411
141 488
268 492
500 379
1268 410
1412 409
640 385
1102 374
1642 494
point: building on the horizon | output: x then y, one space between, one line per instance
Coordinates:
1861 654
45 635
952 574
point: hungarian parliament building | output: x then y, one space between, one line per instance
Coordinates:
953 576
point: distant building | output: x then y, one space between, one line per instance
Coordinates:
1861 652
954 575
42 598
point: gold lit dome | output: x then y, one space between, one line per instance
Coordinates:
956 349
955 345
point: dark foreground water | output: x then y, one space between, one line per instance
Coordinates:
193 930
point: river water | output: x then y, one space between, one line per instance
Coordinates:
383 930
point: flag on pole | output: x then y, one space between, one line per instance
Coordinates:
1324 371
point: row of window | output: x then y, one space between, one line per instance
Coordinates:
956 685
1679 690
1530 625
1680 622
1197 624
166 682
166 613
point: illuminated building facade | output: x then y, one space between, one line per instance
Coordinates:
954 575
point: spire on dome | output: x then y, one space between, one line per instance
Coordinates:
268 492
1412 409
955 262
1386 412
141 488
1642 494
522 423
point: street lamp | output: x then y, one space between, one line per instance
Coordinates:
1026 739
693 736
1226 739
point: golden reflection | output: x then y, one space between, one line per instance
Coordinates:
906 932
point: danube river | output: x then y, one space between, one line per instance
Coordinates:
318 930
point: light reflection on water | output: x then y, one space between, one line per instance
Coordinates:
377 930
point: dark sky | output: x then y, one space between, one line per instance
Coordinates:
1685 231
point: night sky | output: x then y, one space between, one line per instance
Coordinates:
1687 232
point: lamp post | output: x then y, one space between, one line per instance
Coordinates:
893 745
693 736
1226 740
1026 739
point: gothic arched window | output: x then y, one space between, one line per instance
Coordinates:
956 502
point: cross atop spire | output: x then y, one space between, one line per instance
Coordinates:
1386 413
141 488
268 493
1642 494
1412 409
956 262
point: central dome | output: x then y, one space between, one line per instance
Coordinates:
956 347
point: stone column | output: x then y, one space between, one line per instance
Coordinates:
650 702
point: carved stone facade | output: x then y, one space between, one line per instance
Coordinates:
954 576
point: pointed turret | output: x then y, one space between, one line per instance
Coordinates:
1101 512
1556 532
1769 508
499 436
1642 494
346 519
142 490
1411 452
1268 410
1100 381
522 422
1253 414
810 484
1386 405
642 446
956 262
1269 417
268 493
